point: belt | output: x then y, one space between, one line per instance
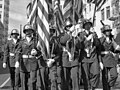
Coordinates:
12 54
107 52
27 56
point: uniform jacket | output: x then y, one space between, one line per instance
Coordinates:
56 50
108 59
24 48
73 46
95 50
10 47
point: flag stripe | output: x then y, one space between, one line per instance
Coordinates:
42 13
44 4
33 12
43 42
67 8
32 18
100 5
43 26
59 17
29 9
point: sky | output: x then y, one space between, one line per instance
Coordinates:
17 14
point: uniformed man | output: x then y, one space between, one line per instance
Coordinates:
109 47
89 56
27 58
64 38
9 57
56 54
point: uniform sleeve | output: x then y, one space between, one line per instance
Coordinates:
115 45
6 53
78 47
19 52
56 51
99 47
81 36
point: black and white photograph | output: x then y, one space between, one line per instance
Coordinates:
59 44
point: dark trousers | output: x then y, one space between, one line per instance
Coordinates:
55 77
67 79
28 80
90 74
17 79
75 78
80 73
109 81
12 76
43 78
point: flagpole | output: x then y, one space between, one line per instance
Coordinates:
74 28
94 11
20 31
73 15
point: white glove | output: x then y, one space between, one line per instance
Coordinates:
118 69
101 65
70 56
4 65
90 37
17 64
50 62
33 52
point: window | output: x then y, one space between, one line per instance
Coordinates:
108 12
102 14
0 5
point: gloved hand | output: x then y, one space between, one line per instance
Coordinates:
70 56
90 37
33 52
17 64
4 65
50 62
101 65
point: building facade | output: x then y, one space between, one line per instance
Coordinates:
103 14
4 20
116 14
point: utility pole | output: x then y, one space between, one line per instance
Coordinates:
20 31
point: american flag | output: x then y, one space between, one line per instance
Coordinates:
39 17
99 3
32 13
29 9
43 26
59 16
68 9
78 7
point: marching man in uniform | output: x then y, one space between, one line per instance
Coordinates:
55 68
109 59
27 58
89 56
9 56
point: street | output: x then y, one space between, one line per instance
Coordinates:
5 80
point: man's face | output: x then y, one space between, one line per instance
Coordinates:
15 36
87 26
108 33
52 32
29 33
